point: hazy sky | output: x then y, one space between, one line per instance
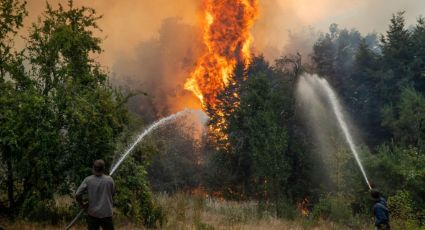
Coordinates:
126 23
279 16
366 15
148 49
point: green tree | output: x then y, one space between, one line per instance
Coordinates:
88 113
12 13
396 44
263 136
418 64
407 118
259 162
397 55
59 117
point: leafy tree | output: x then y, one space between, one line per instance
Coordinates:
12 13
134 197
58 113
60 116
87 112
365 96
418 63
263 136
407 118
323 55
395 168
397 55
264 159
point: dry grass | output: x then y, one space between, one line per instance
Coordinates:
197 212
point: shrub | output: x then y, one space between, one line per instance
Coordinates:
333 207
134 197
402 212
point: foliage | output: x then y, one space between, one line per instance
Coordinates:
399 172
265 159
406 118
176 164
382 83
58 114
11 68
401 205
333 207
134 196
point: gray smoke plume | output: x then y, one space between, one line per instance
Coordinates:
160 68
146 51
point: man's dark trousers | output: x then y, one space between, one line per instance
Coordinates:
94 223
385 226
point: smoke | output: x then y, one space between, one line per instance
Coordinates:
152 46
288 26
160 68
125 23
149 46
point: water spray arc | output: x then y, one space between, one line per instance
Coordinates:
152 127
317 83
139 138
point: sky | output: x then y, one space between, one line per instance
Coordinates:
282 17
365 15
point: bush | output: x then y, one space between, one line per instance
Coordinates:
401 206
48 211
402 212
333 207
286 210
134 197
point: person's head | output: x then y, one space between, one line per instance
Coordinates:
98 167
375 194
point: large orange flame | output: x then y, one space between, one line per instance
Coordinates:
227 40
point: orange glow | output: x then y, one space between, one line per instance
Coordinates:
227 40
303 207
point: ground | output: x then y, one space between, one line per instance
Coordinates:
199 212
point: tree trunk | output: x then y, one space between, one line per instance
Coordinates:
9 181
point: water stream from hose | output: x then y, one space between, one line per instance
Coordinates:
321 85
139 139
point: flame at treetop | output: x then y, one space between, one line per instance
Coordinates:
227 39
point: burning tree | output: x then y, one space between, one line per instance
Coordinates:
227 44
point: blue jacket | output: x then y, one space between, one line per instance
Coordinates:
380 211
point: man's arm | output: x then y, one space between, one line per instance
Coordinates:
113 187
79 194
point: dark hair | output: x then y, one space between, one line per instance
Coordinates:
99 166
375 194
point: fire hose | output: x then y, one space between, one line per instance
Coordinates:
128 151
75 219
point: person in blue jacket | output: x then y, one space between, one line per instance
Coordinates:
380 211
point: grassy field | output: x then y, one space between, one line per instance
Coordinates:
197 212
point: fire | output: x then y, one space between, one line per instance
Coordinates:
303 207
227 40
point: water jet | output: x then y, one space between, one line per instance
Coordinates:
139 139
318 86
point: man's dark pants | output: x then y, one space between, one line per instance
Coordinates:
385 226
94 223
